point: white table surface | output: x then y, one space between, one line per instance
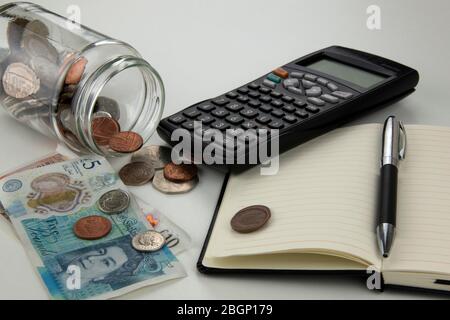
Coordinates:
204 48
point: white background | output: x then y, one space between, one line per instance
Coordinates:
205 48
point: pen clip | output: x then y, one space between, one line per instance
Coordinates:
403 141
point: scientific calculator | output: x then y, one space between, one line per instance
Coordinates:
302 99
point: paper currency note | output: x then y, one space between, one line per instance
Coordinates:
43 205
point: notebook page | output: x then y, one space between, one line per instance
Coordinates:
422 242
323 200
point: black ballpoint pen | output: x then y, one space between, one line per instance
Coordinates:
394 148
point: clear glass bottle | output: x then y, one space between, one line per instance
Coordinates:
58 76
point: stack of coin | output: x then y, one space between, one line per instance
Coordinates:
154 162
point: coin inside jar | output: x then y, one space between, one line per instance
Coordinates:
149 241
20 81
136 173
103 129
165 186
76 71
250 219
92 227
126 142
114 201
180 172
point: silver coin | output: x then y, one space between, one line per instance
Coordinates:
165 186
108 105
149 241
157 156
102 114
20 81
114 201
37 46
46 70
36 27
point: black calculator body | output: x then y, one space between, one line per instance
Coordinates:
302 99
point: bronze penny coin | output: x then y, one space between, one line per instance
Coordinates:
250 219
126 142
20 81
92 227
76 71
103 129
180 172
136 173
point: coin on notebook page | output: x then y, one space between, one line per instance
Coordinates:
180 172
136 173
156 156
165 186
250 219
20 81
103 129
149 241
114 201
92 227
126 142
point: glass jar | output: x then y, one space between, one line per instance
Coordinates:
58 77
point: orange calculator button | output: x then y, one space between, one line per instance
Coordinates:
281 73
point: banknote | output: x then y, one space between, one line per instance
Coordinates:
44 204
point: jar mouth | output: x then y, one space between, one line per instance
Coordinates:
149 112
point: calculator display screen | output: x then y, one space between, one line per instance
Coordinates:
346 72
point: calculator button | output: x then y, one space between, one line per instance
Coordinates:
342 94
188 125
263 119
232 95
220 102
274 78
206 119
300 104
329 98
302 114
264 90
314 92
220 113
278 113
234 107
235 120
298 75
281 73
322 81
220 125
291 82
295 91
243 90
249 113
289 109
290 119
276 124
254 104
332 86
243 99
310 77
192 113
312 109
206 107
265 99
177 119
276 94
307 84
277 103
254 95
266 108
316 101
248 125
269 84
253 86
287 99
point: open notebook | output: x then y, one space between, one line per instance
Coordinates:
324 208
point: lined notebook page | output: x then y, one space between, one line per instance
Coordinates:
422 242
323 200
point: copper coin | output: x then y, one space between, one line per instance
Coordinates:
103 129
250 219
76 71
92 227
20 81
126 142
136 173
180 172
